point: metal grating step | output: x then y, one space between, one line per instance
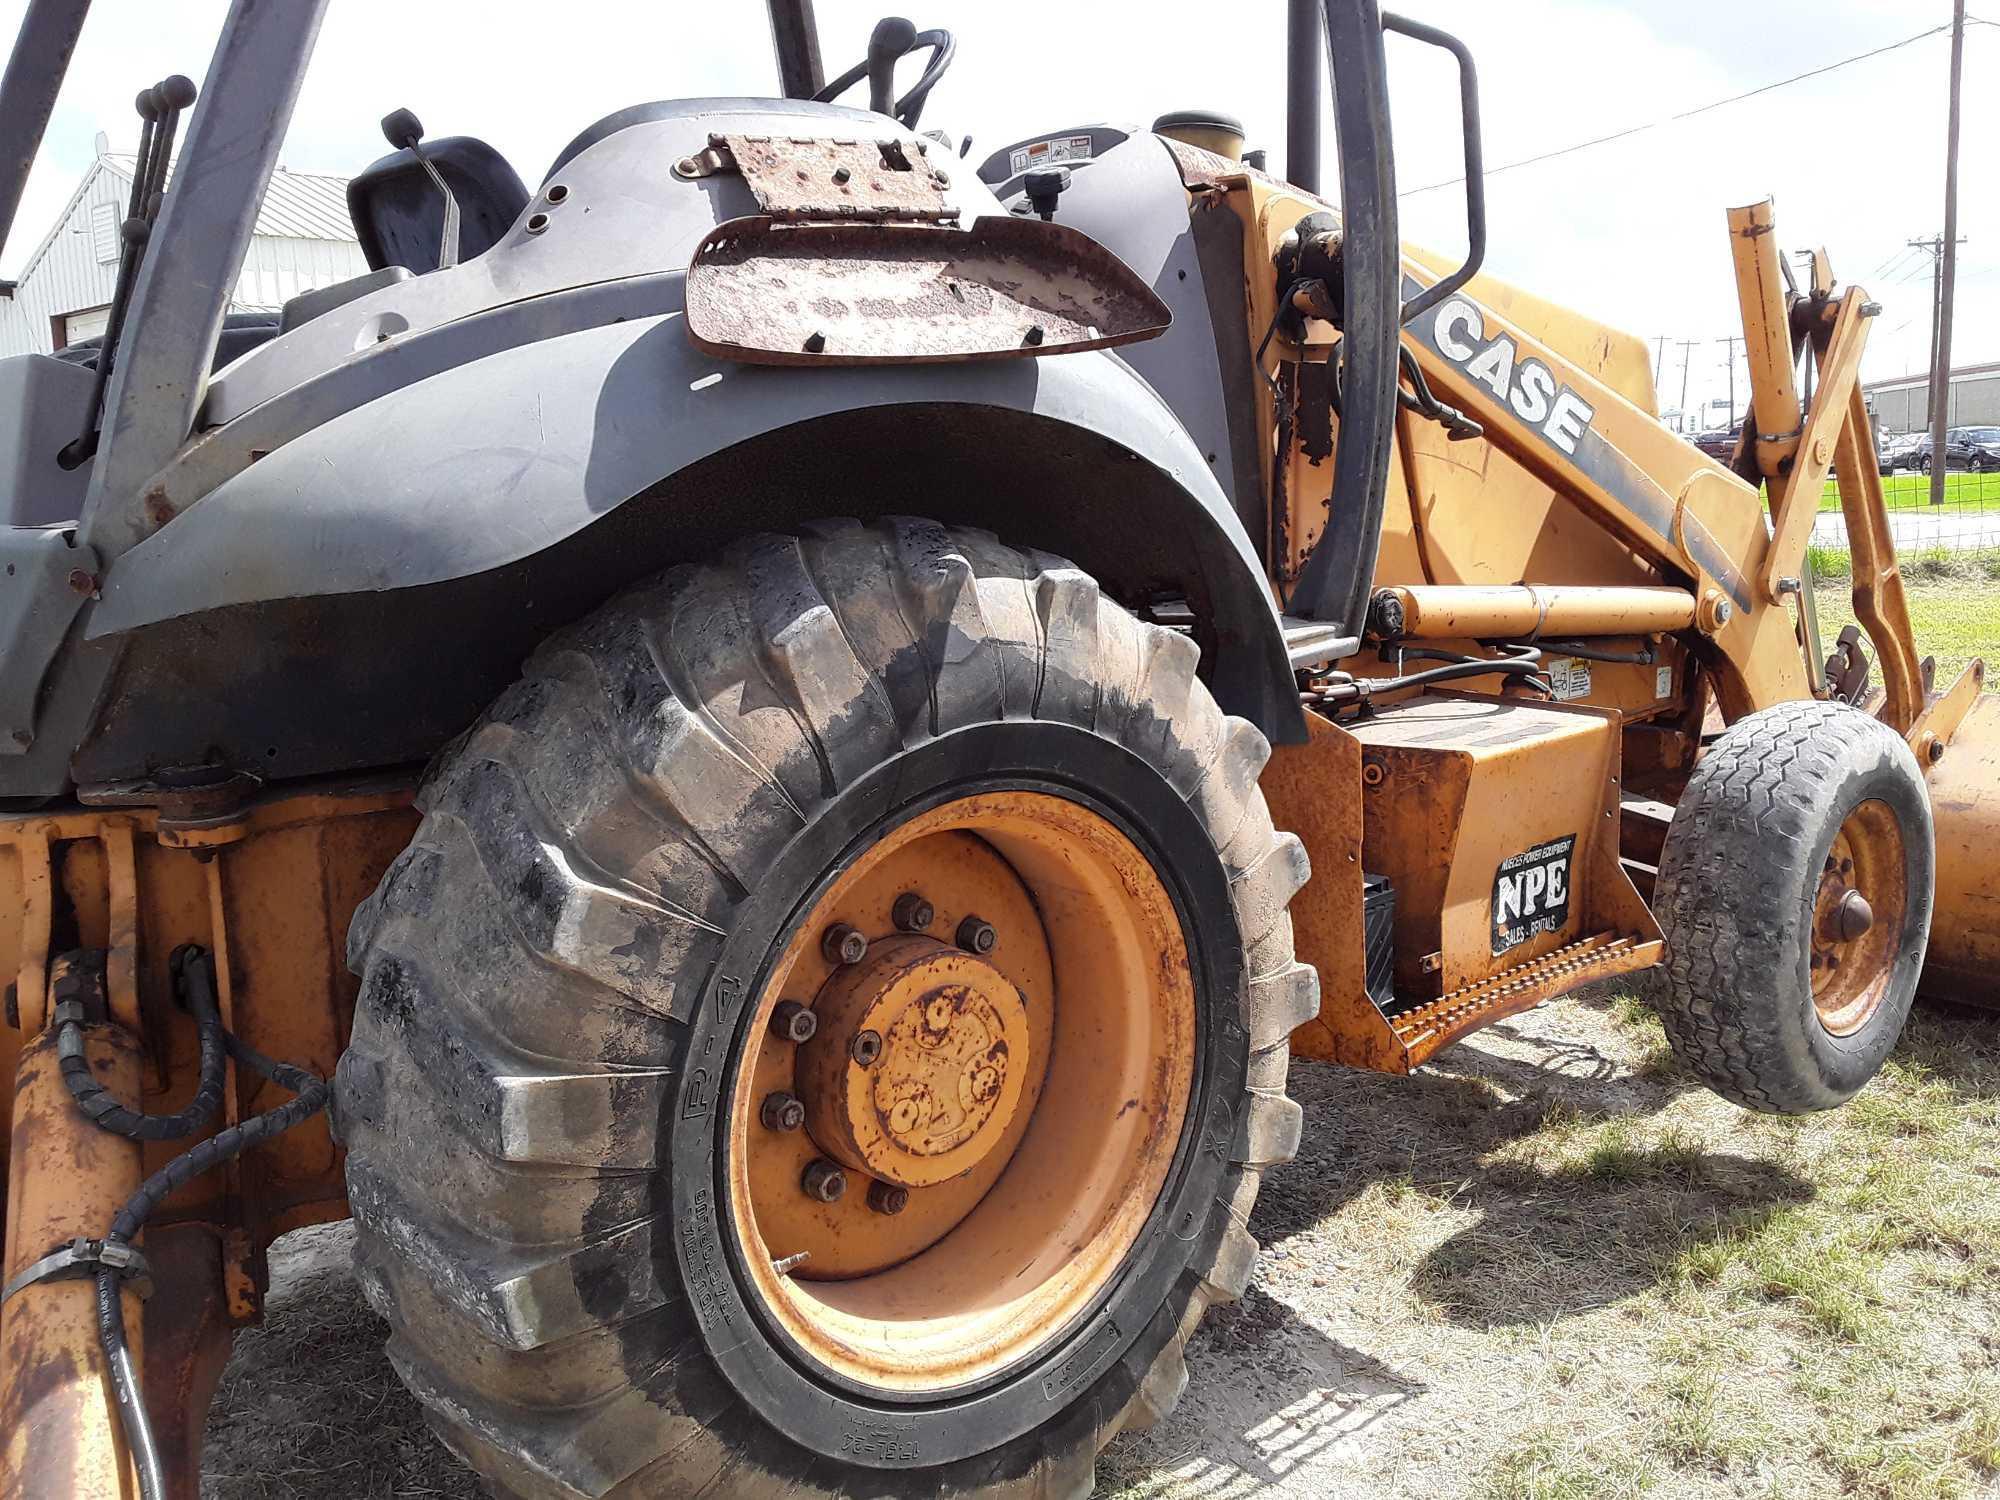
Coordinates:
1429 1027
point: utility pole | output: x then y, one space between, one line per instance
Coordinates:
1934 245
1687 345
1659 359
1732 340
1948 259
1807 359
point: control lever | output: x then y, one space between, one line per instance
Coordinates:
405 131
892 37
159 110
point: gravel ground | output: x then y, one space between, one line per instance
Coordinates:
1549 1268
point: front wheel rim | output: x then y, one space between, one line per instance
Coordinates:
1001 1122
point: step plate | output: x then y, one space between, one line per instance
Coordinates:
1428 1029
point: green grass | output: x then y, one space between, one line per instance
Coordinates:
1962 492
1954 601
1551 1273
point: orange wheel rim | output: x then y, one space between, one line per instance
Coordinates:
999 1120
1857 918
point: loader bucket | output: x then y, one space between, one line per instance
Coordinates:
1963 964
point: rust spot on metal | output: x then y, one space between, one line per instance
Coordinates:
899 294
794 179
159 509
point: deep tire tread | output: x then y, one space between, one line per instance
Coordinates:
582 850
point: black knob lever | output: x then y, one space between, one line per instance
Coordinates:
893 36
402 129
1045 185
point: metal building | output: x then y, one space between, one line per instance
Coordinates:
1900 405
303 240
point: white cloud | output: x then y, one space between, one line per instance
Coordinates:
1630 232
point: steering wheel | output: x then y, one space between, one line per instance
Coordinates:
894 39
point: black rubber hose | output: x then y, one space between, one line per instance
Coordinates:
195 970
1512 666
311 1093
225 1146
1582 652
125 1386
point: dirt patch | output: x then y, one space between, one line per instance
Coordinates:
309 1406
1551 1267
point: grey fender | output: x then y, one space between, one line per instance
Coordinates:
625 432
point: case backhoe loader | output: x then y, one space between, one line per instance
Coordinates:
794 729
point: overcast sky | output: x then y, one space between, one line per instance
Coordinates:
1631 232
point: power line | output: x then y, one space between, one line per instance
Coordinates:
1893 264
1686 114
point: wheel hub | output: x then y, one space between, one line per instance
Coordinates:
918 1062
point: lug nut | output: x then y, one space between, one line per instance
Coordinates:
782 1111
976 935
842 944
866 1048
792 1022
888 1197
912 913
822 1181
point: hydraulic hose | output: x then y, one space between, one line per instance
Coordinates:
1582 652
125 1386
195 972
310 1095
1523 663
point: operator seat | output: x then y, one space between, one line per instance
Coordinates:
398 213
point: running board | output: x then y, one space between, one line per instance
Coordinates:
1427 1029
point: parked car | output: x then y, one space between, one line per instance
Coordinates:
1900 450
1719 444
1974 448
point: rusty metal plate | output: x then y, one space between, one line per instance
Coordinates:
1005 288
1201 168
818 177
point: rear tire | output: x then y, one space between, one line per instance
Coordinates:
561 972
1790 813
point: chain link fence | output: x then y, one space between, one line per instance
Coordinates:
1967 521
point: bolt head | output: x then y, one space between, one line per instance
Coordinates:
888 1197
976 935
866 1048
792 1022
842 944
913 913
822 1181
782 1111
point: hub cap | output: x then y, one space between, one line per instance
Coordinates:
954 1054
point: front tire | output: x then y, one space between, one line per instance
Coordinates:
576 1206
1795 893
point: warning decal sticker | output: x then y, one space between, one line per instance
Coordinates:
1531 893
1047 153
